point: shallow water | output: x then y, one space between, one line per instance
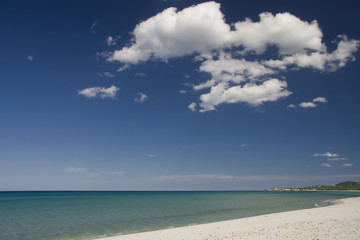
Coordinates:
87 215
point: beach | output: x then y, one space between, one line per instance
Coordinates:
341 220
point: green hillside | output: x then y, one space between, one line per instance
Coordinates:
340 186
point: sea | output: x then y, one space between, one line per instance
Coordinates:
64 215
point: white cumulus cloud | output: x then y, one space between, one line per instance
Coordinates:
320 100
226 51
202 27
307 105
251 93
99 91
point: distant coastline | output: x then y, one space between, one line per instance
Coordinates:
343 186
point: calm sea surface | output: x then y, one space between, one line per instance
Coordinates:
87 215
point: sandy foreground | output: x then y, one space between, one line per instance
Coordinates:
340 221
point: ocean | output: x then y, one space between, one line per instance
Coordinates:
88 215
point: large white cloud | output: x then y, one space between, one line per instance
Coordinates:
201 28
322 61
170 33
289 33
224 68
224 51
251 93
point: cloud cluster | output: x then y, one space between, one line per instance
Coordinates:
311 104
226 51
99 92
332 157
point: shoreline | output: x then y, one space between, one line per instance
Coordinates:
340 220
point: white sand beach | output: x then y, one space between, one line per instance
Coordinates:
339 221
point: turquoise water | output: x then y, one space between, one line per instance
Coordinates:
87 215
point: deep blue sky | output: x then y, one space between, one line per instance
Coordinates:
52 137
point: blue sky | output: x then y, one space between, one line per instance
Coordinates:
178 95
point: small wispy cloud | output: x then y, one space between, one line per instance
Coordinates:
327 165
122 68
140 74
244 145
337 159
291 106
104 54
192 106
347 165
184 178
30 58
99 91
112 41
141 97
182 91
75 170
117 173
106 74
327 154
92 28
92 175
151 155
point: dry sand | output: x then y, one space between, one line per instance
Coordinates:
340 221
